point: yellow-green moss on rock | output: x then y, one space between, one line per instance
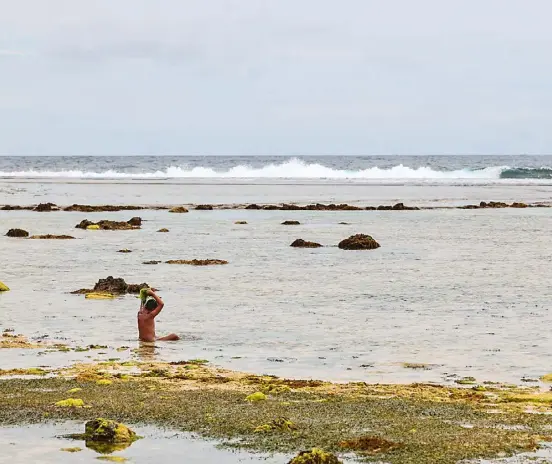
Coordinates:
4 287
315 456
108 431
70 403
254 397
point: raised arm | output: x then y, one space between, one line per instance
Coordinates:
159 302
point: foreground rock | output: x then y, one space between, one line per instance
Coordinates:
108 431
359 242
198 262
4 287
115 286
178 209
300 243
315 456
131 224
51 237
17 233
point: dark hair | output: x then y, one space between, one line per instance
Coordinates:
151 304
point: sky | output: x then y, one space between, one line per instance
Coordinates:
291 77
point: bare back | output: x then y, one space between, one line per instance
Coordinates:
146 325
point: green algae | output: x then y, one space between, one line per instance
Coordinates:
70 403
315 456
423 419
75 449
255 397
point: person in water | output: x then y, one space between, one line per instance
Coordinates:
150 306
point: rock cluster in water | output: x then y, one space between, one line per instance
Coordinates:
112 285
133 223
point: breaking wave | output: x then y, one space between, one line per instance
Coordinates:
297 169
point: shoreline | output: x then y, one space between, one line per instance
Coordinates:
260 413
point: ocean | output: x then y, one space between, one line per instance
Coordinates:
464 292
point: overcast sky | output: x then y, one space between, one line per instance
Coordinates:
275 76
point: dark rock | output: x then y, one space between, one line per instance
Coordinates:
151 262
19 233
46 207
300 243
253 206
240 222
163 230
385 208
359 242
15 208
124 250
204 207
108 431
291 223
518 205
135 221
493 204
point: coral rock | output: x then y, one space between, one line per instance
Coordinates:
17 233
359 242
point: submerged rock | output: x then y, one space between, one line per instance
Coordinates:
133 223
116 286
359 242
178 209
300 243
124 250
18 233
197 262
4 287
291 223
151 262
315 456
46 207
51 237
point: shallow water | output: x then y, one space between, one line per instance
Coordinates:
463 290
43 443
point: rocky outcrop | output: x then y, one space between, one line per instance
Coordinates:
300 243
116 286
519 205
102 208
359 242
45 207
16 208
18 233
204 207
51 237
197 262
133 223
108 431
178 209
291 223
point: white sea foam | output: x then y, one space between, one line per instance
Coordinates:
292 169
